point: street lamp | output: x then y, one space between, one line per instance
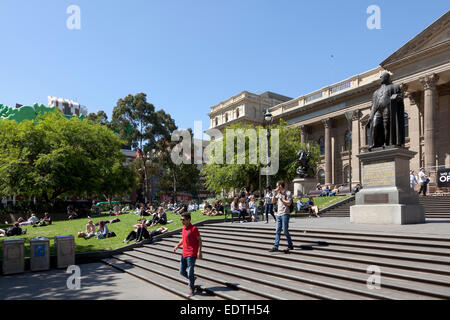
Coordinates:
268 120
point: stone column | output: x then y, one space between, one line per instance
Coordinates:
302 134
328 151
429 87
356 147
412 104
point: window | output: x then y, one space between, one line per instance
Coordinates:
322 145
216 121
347 140
321 175
237 113
406 126
347 174
226 117
367 134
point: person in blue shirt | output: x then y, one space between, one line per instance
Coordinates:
312 208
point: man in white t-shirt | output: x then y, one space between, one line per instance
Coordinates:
423 181
284 198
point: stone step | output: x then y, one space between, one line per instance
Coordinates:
442 255
276 277
171 268
366 238
392 288
231 277
350 255
165 283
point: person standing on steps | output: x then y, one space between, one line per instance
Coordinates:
192 249
283 214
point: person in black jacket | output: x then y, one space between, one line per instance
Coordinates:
15 230
160 217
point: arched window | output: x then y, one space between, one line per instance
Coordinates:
406 126
347 174
348 140
321 176
322 145
237 113
367 135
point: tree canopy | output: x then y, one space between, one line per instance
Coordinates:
55 156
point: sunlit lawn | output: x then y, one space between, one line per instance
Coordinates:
121 229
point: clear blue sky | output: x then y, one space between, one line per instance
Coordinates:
190 55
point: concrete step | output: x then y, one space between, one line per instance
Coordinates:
405 252
426 267
437 243
276 277
232 277
348 280
168 284
171 269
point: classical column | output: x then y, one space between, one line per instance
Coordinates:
412 103
429 87
356 147
302 134
328 151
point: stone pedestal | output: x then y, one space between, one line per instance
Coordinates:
386 197
304 185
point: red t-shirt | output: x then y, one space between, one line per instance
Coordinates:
190 241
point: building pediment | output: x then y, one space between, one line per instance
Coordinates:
435 36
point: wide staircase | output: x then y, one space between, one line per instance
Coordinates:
326 264
435 207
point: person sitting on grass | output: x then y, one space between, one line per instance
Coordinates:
103 231
72 215
150 210
334 192
318 187
32 220
133 234
207 210
302 205
160 217
312 208
253 208
217 209
15 230
90 231
191 206
178 209
45 221
325 192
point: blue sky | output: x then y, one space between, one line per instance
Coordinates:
190 55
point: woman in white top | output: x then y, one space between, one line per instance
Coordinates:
242 210
253 207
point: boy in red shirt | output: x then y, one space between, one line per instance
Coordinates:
192 249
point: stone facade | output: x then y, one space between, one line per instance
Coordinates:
332 114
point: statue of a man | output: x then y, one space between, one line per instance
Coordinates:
387 116
303 161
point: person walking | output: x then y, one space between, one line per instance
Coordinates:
412 179
423 181
268 204
192 249
283 214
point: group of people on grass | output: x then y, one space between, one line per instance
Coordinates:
213 210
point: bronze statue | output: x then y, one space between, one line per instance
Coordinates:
303 161
387 116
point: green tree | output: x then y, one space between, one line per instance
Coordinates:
224 176
55 156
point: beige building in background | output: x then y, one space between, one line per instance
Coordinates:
336 116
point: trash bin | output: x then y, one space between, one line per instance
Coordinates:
65 251
13 256
39 254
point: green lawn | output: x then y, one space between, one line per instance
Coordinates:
323 202
121 229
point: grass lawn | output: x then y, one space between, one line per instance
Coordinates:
121 229
323 202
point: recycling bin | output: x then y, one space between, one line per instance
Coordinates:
39 254
13 256
65 251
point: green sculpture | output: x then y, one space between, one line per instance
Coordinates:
27 112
